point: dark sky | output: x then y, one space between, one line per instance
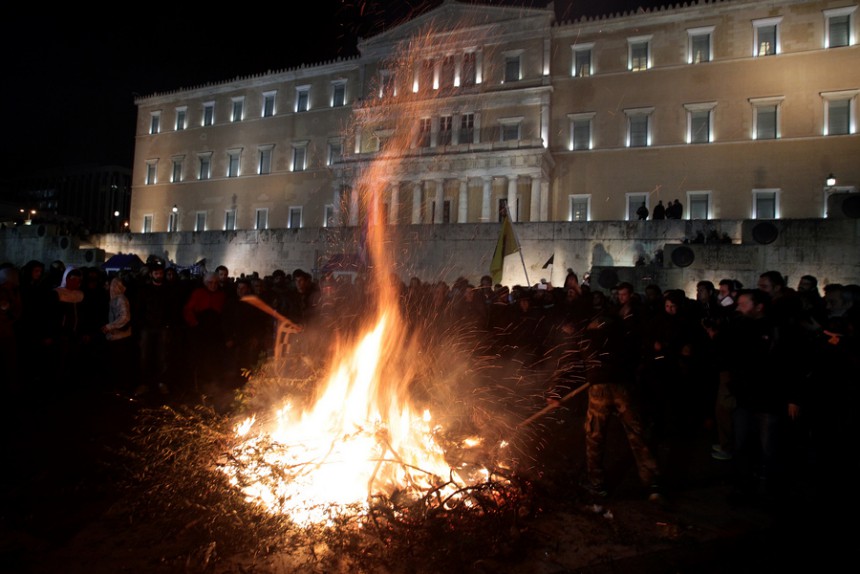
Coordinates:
72 73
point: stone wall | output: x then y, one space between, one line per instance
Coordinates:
628 250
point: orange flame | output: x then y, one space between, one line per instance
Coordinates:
362 437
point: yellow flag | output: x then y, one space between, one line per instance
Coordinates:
506 245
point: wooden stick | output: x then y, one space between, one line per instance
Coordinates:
552 407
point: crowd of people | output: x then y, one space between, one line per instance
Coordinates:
767 369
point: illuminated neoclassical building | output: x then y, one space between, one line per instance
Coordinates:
739 109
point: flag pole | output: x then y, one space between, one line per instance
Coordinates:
522 259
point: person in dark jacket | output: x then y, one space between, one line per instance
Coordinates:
612 350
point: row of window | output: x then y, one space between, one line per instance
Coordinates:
465 70
237 107
839 119
229 223
264 162
765 204
839 24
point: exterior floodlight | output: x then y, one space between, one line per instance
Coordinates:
831 180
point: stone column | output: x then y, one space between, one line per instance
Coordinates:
394 205
455 129
512 198
463 201
544 200
416 202
440 201
535 200
544 125
353 206
336 204
434 131
486 199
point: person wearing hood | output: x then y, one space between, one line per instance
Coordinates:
65 336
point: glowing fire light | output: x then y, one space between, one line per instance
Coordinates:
362 438
346 449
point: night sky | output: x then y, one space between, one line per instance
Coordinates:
71 74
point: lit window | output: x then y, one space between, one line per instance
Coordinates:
155 122
700 45
269 104
424 132
469 71
382 138
510 129
338 94
639 127
699 204
295 221
839 27
200 221
445 125
151 167
766 118
300 156
265 165
700 122
233 163
580 130
230 220
387 85
176 176
467 128
513 69
582 61
840 112
181 118
208 113
425 79
446 73
303 96
639 53
147 224
172 222
765 204
335 152
634 202
580 206
237 112
205 166
766 37
261 218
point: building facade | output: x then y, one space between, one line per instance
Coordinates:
738 109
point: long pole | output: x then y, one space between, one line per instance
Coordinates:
522 259
554 405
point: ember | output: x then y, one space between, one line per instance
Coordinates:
364 439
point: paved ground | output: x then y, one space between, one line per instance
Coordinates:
58 483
